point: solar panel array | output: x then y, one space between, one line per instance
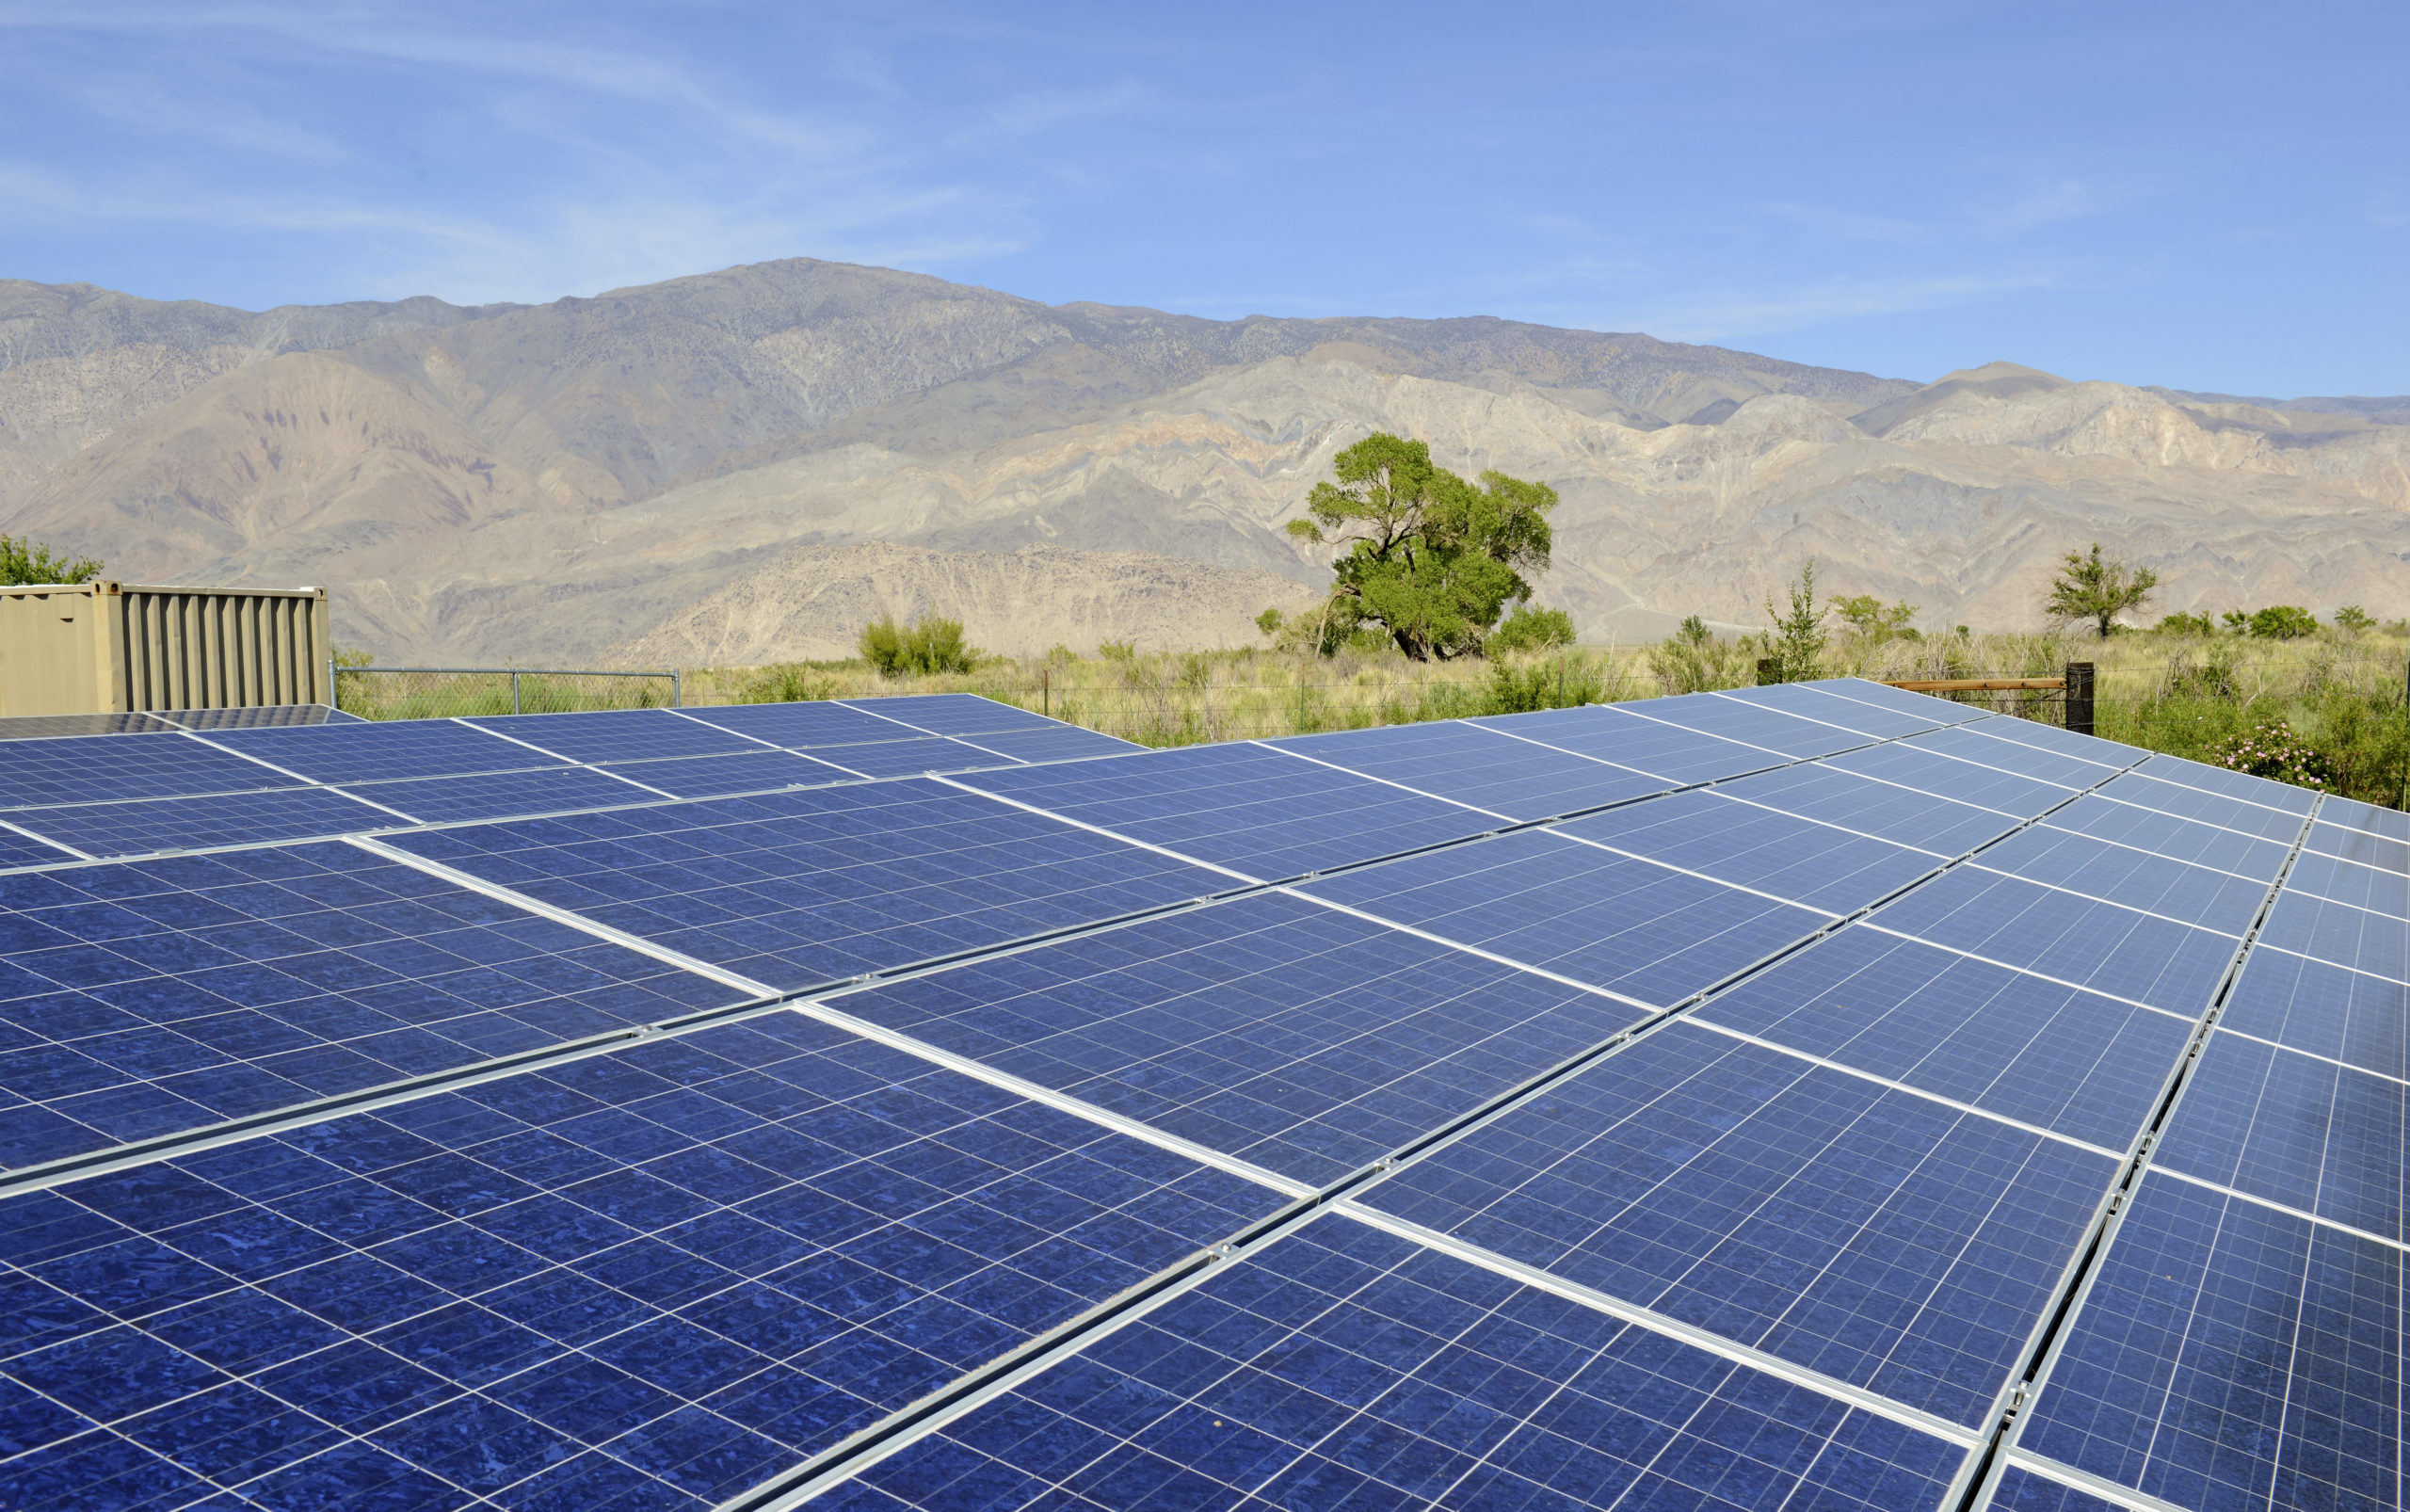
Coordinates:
1815 1096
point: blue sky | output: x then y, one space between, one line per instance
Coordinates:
2204 195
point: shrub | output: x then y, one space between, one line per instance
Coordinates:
2181 623
1530 629
2352 620
1269 621
2284 622
2274 751
929 645
1551 684
787 682
1692 660
1795 640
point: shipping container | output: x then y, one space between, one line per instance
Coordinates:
108 647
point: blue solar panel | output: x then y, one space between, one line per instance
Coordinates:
955 714
1629 925
616 734
665 1273
1926 706
503 795
2376 944
1737 717
1305 1041
151 825
705 777
1947 777
1829 704
2164 834
802 726
2326 1010
2230 1356
146 998
2293 1129
2120 874
796 888
2118 951
1347 1369
2350 813
373 751
47 726
2025 1490
2206 807
908 758
1056 743
2363 846
2241 786
36 773
253 719
2066 742
1978 743
1874 1237
1815 790
1256 810
2085 1066
1612 735
1479 765
25 850
1748 846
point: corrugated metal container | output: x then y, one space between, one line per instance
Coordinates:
93 648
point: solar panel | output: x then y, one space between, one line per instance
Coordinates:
1638 928
38 773
1328 1122
1348 1368
1482 765
1256 810
255 717
371 751
705 777
1302 1039
1883 1239
665 1272
797 889
143 999
153 825
47 726
616 734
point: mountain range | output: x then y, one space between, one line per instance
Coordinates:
746 466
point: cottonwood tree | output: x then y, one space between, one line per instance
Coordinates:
27 560
2099 588
1427 557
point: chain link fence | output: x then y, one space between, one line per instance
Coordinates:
447 692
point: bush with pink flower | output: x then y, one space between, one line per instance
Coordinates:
2272 749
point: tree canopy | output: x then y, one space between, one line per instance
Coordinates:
2098 588
27 560
1427 557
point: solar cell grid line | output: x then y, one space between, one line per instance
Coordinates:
2173 836
802 726
2359 940
1797 859
916 757
707 777
1977 743
1301 1039
1064 743
41 773
2204 805
22 847
1750 723
2241 786
1938 775
668 1270
2035 1485
2226 1352
505 795
1862 805
377 749
953 713
2081 1278
150 999
610 735
1345 1366
151 826
2214 899
2361 846
817 885
1478 765
2050 737
2324 1011
1824 706
1939 711
1613 734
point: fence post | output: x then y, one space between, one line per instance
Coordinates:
1046 691
2078 679
1765 671
514 693
677 690
334 689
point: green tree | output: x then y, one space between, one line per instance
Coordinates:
1269 621
2181 623
929 645
2352 620
1530 629
2283 621
2098 588
1796 637
1427 557
27 560
1875 623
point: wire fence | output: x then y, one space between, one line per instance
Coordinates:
449 692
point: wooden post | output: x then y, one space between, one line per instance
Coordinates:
2078 680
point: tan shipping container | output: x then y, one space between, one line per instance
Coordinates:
108 647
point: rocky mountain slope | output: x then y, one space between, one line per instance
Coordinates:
747 464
